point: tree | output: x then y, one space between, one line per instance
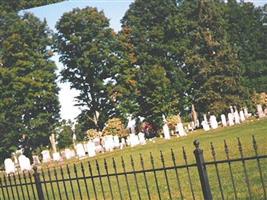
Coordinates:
28 98
87 48
65 134
15 5
152 44
211 63
249 38
115 126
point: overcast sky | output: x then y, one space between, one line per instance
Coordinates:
113 9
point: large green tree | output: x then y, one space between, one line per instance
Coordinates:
88 50
28 90
211 62
153 46
249 38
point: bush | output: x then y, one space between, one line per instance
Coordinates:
115 126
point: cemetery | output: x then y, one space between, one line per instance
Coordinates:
133 99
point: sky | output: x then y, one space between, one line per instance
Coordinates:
113 9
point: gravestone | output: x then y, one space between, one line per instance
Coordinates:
213 122
131 124
116 141
80 150
230 119
98 146
68 154
242 116
122 143
133 140
9 166
166 130
236 117
24 163
141 137
46 156
260 111
108 143
56 156
224 122
205 125
91 149
180 129
246 112
52 139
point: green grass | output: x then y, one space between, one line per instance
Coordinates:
217 137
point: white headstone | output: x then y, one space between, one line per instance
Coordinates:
205 118
9 166
68 154
236 117
231 109
80 150
56 156
166 130
242 116
213 122
230 119
133 140
46 156
141 137
116 141
131 124
180 129
123 143
224 122
108 143
260 111
205 125
91 149
24 163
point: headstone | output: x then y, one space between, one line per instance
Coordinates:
131 124
80 150
166 130
98 146
91 149
205 125
46 156
180 129
123 143
108 143
236 117
231 109
68 154
133 140
56 156
260 111
213 122
224 122
242 116
24 163
194 117
141 137
36 160
116 141
53 142
205 118
230 119
9 166
246 112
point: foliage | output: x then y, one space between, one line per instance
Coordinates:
173 120
15 5
115 126
249 37
64 135
152 46
87 48
28 90
91 133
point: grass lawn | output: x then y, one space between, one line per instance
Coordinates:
258 128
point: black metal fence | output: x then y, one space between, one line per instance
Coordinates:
146 177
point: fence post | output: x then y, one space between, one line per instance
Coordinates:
203 176
38 184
